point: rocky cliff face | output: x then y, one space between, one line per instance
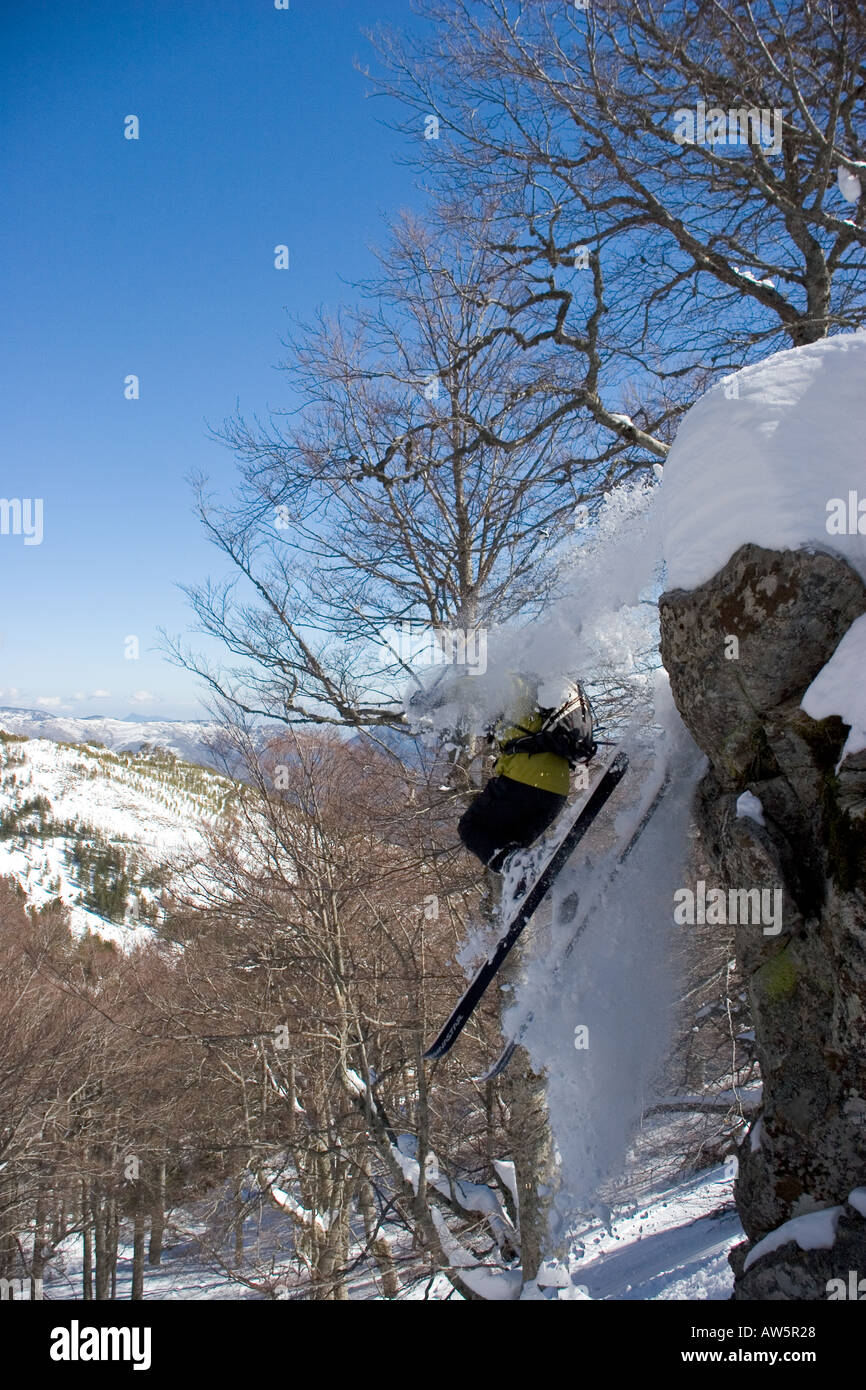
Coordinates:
788 611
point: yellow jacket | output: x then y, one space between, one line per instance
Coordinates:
547 771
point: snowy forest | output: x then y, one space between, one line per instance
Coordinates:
595 415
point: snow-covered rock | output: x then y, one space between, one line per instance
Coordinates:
774 456
816 1230
764 510
749 808
840 687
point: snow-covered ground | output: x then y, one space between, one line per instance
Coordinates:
665 1242
671 1244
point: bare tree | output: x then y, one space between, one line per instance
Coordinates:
709 155
317 941
417 489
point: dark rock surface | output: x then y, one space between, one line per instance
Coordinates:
807 981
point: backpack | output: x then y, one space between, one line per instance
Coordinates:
566 731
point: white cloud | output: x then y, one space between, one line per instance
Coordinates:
100 694
49 701
142 697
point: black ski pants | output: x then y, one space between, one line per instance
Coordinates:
507 812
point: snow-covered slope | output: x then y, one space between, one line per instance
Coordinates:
75 819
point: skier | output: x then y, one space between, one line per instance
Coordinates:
537 745
537 748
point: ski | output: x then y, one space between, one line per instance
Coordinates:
507 1052
521 912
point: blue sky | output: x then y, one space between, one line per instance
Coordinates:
155 257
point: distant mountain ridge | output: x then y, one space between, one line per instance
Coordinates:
188 738
191 739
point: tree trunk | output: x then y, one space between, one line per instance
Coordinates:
157 1218
58 1225
113 1230
102 1283
37 1259
532 1151
489 1130
377 1243
530 1138
239 1221
8 1245
342 1238
87 1241
138 1235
